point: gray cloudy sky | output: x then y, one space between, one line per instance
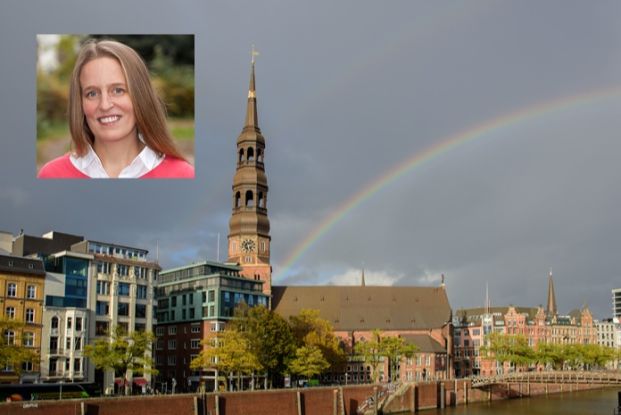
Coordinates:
346 91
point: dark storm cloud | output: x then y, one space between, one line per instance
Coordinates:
346 90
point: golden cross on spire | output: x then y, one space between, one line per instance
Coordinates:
253 54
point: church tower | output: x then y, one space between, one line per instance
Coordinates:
551 306
249 226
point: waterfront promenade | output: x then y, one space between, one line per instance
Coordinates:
345 400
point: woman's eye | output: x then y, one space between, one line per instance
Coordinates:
90 94
118 91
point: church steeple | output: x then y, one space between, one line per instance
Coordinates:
551 307
249 226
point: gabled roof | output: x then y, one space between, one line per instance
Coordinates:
367 308
424 343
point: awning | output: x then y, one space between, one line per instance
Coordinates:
140 381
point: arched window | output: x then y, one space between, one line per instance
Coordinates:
259 155
237 199
250 154
261 201
241 154
54 322
249 198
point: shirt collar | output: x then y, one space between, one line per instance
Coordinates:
91 165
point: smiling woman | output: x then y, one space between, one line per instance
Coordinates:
116 120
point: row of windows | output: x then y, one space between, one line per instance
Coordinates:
123 288
54 369
28 338
30 314
31 291
172 344
250 154
172 330
95 248
249 199
79 323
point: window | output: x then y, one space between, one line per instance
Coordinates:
11 290
195 343
141 292
31 292
172 344
76 365
102 308
172 330
103 267
192 313
122 270
53 344
28 339
196 329
77 343
69 323
141 311
68 343
10 312
140 272
183 299
30 315
204 296
173 301
101 328
123 309
159 331
103 287
212 296
172 360
27 366
54 322
123 288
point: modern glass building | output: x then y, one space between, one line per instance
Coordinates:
194 303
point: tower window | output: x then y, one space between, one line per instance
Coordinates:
237 199
249 198
259 155
261 201
241 155
250 154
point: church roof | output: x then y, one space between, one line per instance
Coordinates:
424 343
367 308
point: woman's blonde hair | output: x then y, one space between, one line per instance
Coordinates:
149 109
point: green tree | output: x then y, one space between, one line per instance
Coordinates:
309 329
12 353
123 352
371 352
308 361
228 353
509 348
549 354
395 348
269 337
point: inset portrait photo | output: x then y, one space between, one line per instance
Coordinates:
115 106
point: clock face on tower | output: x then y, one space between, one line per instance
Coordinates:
247 245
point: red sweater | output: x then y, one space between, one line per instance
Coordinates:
169 168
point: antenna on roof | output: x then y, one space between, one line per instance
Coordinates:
362 283
442 281
218 249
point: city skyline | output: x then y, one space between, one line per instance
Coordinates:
409 139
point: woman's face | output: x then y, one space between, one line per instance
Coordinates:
105 101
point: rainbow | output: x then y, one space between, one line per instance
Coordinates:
442 146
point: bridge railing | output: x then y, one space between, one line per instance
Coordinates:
602 377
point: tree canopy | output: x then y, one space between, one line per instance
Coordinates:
12 353
123 352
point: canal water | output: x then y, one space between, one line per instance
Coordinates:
596 402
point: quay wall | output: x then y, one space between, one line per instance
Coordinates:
308 401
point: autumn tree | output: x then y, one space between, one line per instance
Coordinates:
124 353
12 353
269 338
228 353
308 362
309 329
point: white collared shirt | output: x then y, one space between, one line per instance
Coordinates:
91 165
